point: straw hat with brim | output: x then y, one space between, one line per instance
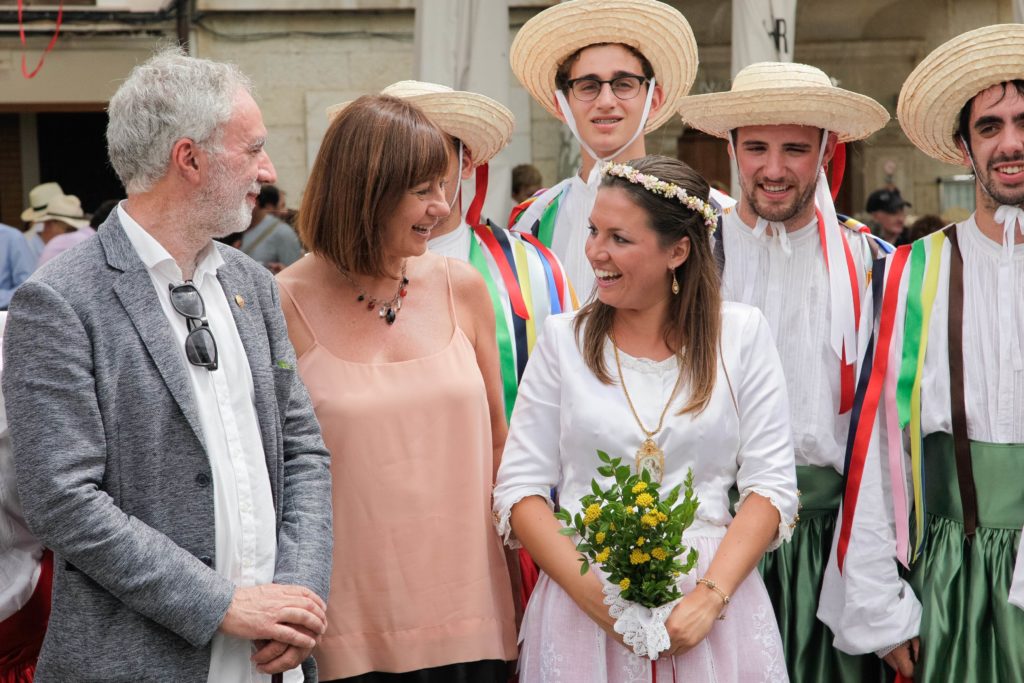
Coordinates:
484 125
956 71
65 208
778 94
38 199
655 29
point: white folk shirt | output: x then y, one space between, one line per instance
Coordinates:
20 552
792 290
244 520
564 414
870 607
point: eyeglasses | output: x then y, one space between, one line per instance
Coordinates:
587 89
200 346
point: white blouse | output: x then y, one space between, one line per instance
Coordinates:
792 290
870 607
564 414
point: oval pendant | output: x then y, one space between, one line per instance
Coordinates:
389 317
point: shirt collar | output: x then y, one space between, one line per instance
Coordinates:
157 259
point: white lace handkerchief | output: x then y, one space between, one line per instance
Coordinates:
642 628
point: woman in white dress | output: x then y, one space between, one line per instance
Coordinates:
656 343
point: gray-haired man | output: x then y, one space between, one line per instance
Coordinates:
169 454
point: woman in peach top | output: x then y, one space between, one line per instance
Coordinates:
397 348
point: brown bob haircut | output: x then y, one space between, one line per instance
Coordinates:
374 151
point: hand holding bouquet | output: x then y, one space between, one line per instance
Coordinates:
636 537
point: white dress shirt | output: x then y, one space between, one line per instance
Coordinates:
792 290
870 607
20 552
564 414
244 520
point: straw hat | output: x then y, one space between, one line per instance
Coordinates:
65 208
782 93
936 91
484 125
657 30
38 198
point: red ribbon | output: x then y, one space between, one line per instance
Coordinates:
847 378
838 169
858 455
53 40
476 207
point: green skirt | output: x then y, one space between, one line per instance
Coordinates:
969 632
793 575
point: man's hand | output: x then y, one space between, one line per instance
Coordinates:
903 658
275 657
292 615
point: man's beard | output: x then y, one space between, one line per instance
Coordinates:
1001 196
779 213
214 212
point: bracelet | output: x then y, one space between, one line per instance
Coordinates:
704 581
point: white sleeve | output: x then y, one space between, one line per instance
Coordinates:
766 460
869 607
530 463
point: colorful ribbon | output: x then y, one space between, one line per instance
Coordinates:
863 418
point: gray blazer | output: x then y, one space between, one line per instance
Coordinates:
112 469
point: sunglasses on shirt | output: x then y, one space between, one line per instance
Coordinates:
200 346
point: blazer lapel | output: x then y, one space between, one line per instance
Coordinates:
252 332
135 290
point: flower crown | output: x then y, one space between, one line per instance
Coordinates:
665 189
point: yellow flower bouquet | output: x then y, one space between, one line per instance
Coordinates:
634 535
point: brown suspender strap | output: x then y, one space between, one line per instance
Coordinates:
958 407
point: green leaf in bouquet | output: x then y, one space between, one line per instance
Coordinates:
603 457
567 531
584 566
563 515
596 489
606 471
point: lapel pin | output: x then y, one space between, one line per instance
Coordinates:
239 300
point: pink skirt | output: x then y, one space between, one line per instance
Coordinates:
560 644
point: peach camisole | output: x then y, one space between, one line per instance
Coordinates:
419 577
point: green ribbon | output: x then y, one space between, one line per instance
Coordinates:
506 351
546 231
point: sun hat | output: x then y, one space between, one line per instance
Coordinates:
65 208
784 93
935 92
483 124
660 32
38 197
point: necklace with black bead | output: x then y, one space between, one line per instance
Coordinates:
387 309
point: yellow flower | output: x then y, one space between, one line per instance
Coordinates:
624 584
662 517
631 511
639 487
603 555
659 553
645 500
638 556
591 514
649 519
640 541
599 537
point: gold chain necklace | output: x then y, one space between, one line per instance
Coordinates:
649 457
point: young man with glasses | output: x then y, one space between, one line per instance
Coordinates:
170 456
612 71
